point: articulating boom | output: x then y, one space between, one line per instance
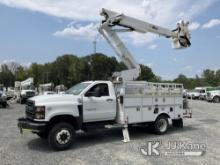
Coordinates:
180 38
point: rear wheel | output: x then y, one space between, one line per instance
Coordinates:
161 125
216 99
61 136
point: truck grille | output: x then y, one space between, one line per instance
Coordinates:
30 110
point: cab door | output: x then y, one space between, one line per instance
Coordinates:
98 104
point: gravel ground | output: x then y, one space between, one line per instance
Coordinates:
106 147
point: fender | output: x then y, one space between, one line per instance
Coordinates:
61 109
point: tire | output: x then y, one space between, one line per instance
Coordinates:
4 105
216 99
61 136
161 125
42 135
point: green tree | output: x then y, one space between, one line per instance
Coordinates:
210 77
183 80
20 73
6 76
147 74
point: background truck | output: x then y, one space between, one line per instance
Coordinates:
3 97
25 90
46 89
10 93
195 93
60 89
120 103
214 95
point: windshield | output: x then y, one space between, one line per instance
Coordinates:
27 87
196 91
77 89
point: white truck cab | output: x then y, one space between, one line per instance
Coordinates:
24 90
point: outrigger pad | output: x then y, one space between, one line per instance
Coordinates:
125 134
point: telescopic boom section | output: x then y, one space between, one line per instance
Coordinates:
179 37
133 67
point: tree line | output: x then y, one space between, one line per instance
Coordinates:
71 69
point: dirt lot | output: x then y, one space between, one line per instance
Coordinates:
106 147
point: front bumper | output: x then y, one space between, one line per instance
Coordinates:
35 127
209 98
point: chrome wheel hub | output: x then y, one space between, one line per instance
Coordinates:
162 125
63 136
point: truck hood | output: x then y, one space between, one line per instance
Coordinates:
192 93
41 99
214 92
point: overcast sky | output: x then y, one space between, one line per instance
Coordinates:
41 30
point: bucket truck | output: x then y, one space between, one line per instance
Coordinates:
26 90
46 89
60 89
105 104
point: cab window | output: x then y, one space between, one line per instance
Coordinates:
98 90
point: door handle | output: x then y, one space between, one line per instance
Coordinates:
109 100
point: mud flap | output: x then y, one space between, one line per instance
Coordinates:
178 123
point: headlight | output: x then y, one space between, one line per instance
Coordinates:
40 112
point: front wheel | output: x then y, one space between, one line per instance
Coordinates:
161 125
216 99
61 136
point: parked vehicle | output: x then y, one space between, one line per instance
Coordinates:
3 97
10 93
203 92
214 95
24 90
198 93
46 89
60 89
27 90
193 94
